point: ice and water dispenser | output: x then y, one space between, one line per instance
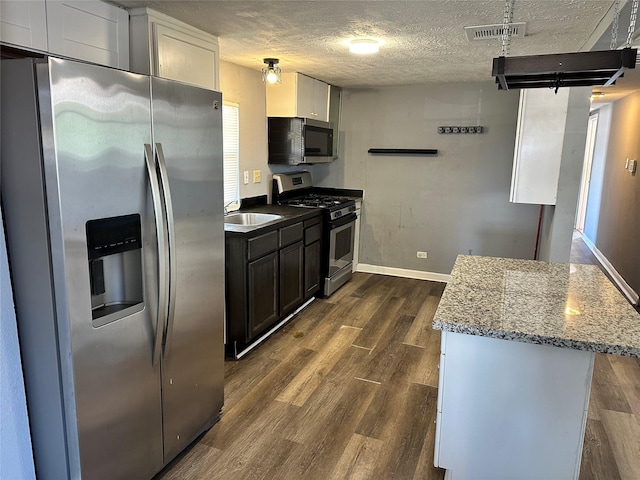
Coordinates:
115 267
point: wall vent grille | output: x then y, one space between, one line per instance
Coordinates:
490 32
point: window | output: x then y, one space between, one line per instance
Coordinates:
230 151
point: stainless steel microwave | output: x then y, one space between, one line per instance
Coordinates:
296 140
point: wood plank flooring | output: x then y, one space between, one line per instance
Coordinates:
612 437
348 390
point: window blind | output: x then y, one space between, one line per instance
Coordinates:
231 150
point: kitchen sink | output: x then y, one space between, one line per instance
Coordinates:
250 218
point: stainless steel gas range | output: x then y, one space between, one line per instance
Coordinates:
339 219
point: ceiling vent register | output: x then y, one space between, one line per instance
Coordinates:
491 32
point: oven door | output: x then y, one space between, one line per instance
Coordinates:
341 235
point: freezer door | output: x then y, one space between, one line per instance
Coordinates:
104 254
187 125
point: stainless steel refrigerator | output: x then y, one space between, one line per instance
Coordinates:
111 188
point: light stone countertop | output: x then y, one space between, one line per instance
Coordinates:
562 304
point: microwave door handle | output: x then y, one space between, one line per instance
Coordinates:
171 234
161 240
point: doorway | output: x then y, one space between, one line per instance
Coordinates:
583 196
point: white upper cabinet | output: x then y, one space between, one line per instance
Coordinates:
24 24
94 31
165 47
89 30
538 150
298 96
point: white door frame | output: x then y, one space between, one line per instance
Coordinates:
581 213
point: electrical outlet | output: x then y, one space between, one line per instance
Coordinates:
246 177
256 176
421 254
633 166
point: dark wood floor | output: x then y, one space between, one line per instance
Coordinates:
348 390
612 438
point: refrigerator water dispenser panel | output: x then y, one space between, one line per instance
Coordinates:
115 267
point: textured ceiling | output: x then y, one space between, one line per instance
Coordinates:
424 39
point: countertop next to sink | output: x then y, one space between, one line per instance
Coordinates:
564 305
289 215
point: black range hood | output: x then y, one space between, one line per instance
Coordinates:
563 69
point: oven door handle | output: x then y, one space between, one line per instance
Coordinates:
338 222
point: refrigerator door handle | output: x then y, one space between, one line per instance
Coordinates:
162 249
168 205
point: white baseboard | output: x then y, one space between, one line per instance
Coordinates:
403 272
622 284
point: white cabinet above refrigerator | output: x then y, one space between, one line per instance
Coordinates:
165 47
93 31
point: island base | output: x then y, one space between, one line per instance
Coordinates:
510 410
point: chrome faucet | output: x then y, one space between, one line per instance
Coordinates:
226 207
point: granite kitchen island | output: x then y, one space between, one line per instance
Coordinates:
519 339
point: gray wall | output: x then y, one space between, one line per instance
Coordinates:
452 203
618 226
597 171
16 458
559 219
244 86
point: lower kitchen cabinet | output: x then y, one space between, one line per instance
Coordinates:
262 278
311 269
291 277
509 410
268 276
312 256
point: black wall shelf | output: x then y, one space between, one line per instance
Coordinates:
403 151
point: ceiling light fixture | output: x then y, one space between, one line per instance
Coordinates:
364 46
271 74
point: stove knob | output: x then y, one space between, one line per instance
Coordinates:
338 214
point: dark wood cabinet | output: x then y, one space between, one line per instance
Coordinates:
312 256
291 267
311 269
262 294
268 276
291 278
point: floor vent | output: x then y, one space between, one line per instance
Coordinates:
489 32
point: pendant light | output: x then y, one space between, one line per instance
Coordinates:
271 74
